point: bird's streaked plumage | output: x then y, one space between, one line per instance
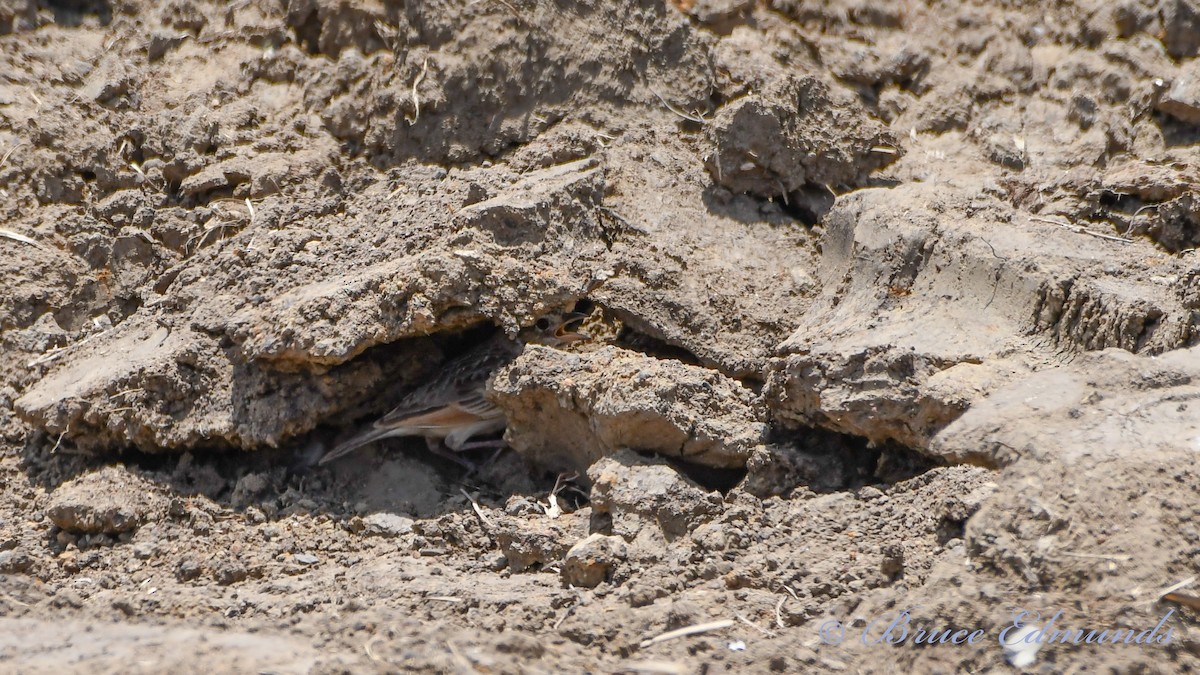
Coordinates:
452 407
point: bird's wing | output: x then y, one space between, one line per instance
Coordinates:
461 384
445 417
354 443
454 398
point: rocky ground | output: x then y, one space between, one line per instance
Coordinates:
894 311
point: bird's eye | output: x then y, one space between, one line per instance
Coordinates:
543 323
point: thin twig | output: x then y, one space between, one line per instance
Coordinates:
58 442
688 630
512 8
10 152
779 605
1184 599
1174 587
748 622
56 352
417 99
561 619
692 117
204 235
1078 229
487 524
9 234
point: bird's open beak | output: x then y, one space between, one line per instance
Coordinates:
568 330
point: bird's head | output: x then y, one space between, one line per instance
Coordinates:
556 329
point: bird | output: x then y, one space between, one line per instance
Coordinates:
452 408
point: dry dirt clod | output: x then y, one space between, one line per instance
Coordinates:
15 562
387 525
647 499
793 134
532 544
920 275
593 561
1182 98
568 410
188 570
109 501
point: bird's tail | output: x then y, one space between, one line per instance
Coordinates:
355 443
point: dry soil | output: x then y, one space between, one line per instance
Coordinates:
894 309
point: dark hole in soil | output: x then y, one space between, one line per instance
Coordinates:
634 340
456 343
72 13
827 461
809 204
1118 201
950 528
894 463
584 306
710 478
1175 132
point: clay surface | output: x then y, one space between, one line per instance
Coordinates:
892 306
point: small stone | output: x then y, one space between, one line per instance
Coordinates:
15 562
892 565
1182 100
643 596
594 560
248 488
518 505
642 492
144 550
683 613
868 493
188 570
254 515
307 559
109 501
710 537
67 597
387 525
230 572
532 544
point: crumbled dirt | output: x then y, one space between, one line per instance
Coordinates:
894 306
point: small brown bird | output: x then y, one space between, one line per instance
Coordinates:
452 407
